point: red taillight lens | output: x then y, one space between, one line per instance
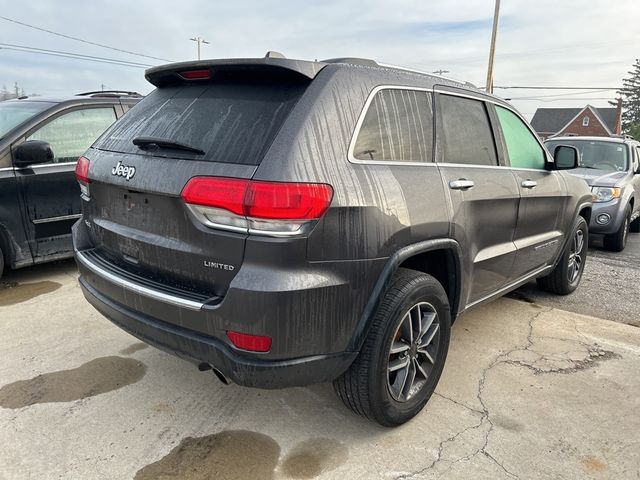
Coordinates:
216 192
195 74
82 170
287 201
261 200
254 343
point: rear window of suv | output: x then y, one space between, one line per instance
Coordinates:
230 122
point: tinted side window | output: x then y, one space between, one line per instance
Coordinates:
398 127
464 132
524 150
72 133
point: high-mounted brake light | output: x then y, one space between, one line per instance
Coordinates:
195 74
254 343
82 170
270 208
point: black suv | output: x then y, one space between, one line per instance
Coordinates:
287 222
40 142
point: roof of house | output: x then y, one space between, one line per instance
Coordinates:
553 120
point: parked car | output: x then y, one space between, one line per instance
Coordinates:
40 142
611 167
287 222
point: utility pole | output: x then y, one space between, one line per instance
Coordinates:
440 72
199 40
492 51
17 89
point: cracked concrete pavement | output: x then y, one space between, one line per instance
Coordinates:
529 391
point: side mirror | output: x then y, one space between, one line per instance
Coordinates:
565 157
32 152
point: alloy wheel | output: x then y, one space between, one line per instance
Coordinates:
413 352
575 256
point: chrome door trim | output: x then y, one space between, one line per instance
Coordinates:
75 216
510 286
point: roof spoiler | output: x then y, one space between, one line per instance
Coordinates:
273 65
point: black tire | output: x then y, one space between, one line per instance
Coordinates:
564 279
618 240
1 262
635 226
366 386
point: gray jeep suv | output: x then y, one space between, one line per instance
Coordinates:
611 167
286 222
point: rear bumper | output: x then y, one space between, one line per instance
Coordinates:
197 347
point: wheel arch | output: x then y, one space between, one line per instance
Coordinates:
440 258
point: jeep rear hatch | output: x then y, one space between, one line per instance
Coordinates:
205 120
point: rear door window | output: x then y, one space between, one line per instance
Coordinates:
72 133
464 132
398 127
230 122
522 146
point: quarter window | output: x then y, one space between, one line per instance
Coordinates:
72 133
523 147
398 127
464 133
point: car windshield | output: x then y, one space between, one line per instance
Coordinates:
596 154
13 114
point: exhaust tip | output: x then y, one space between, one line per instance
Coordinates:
203 367
220 375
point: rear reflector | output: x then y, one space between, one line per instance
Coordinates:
195 74
82 170
260 200
254 343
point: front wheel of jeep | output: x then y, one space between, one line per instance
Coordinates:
403 355
566 276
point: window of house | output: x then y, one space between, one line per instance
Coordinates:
585 122
398 127
72 133
464 132
522 146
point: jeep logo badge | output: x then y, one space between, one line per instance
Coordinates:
123 171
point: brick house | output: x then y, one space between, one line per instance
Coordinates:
587 121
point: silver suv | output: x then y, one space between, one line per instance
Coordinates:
611 167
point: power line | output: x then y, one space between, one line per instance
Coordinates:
559 99
76 56
559 95
559 88
82 40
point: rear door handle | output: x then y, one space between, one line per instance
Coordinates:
461 184
529 184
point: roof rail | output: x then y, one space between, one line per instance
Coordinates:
352 61
109 93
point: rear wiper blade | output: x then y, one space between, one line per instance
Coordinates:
146 143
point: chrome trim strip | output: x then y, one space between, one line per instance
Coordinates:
510 286
57 219
479 97
136 288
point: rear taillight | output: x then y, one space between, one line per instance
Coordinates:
269 208
82 170
82 175
254 343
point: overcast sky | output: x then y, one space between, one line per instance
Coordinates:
590 43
